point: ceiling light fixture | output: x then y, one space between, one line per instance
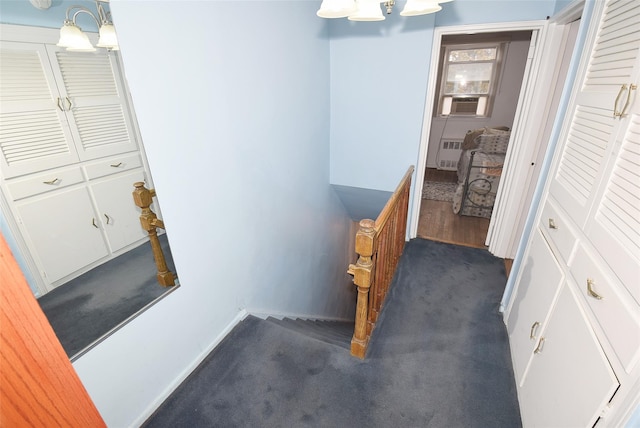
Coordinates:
369 10
74 39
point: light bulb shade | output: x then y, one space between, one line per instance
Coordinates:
336 8
72 38
367 10
420 7
108 37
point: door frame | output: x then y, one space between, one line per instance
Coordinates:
503 235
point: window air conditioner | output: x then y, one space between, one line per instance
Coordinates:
464 105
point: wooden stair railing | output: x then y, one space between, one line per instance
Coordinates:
379 245
143 198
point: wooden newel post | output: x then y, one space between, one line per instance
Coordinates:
361 272
143 198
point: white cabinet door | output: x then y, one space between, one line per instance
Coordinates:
614 227
64 232
35 135
594 120
97 108
538 287
570 380
119 215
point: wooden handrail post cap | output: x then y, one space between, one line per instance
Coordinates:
142 196
365 237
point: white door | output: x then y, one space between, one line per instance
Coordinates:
35 135
119 215
614 226
596 121
538 288
96 102
570 380
64 232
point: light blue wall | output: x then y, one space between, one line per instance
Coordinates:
379 75
20 12
233 105
461 12
8 236
234 112
378 87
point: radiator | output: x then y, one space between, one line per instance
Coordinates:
449 154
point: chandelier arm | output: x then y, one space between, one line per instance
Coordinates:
81 9
102 14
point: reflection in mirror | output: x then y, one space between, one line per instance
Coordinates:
87 309
68 168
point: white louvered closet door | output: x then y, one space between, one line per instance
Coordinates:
614 226
596 123
96 102
35 135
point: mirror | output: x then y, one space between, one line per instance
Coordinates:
70 153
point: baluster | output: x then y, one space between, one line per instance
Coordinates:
143 198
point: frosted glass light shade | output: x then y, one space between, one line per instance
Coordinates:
336 8
367 10
420 7
108 37
72 38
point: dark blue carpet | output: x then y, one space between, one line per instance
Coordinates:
85 309
439 358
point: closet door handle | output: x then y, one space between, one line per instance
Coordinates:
116 165
540 346
632 87
70 104
616 113
552 224
591 291
60 106
93 222
534 327
108 219
51 182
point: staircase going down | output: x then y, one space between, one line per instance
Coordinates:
439 357
338 333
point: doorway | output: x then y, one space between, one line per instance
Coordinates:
488 67
535 105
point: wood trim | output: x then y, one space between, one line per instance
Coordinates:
38 385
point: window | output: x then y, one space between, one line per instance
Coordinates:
469 74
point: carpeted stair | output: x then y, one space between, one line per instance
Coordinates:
338 333
439 357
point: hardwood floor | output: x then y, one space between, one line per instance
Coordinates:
438 222
432 174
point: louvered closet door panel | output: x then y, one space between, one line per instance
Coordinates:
35 135
589 138
614 228
99 119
